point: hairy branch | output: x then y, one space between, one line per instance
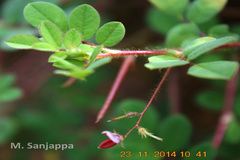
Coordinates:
150 101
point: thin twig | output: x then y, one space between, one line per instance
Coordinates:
226 115
150 101
121 74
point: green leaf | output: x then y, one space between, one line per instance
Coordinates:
214 70
206 47
202 10
154 16
85 19
6 80
110 34
51 33
180 33
211 153
99 63
209 99
61 54
72 38
96 51
11 10
8 128
10 94
176 131
62 61
44 46
232 134
80 74
22 41
87 48
196 43
172 7
38 12
164 61
221 30
75 62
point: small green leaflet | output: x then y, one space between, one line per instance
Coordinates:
172 7
44 46
154 16
170 126
110 34
214 70
51 33
95 52
196 43
203 10
80 74
221 30
61 55
22 41
72 38
64 62
210 99
38 12
99 63
201 49
85 19
75 62
164 61
180 33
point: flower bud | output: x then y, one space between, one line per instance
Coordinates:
114 139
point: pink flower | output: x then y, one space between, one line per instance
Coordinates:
114 139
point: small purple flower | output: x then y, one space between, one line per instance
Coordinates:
114 139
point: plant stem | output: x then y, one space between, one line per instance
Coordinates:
127 53
226 115
161 52
121 74
150 101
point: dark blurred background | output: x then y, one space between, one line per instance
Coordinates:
48 112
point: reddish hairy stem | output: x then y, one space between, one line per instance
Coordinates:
226 115
150 101
162 52
127 53
121 74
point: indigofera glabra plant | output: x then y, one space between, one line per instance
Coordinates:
76 57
